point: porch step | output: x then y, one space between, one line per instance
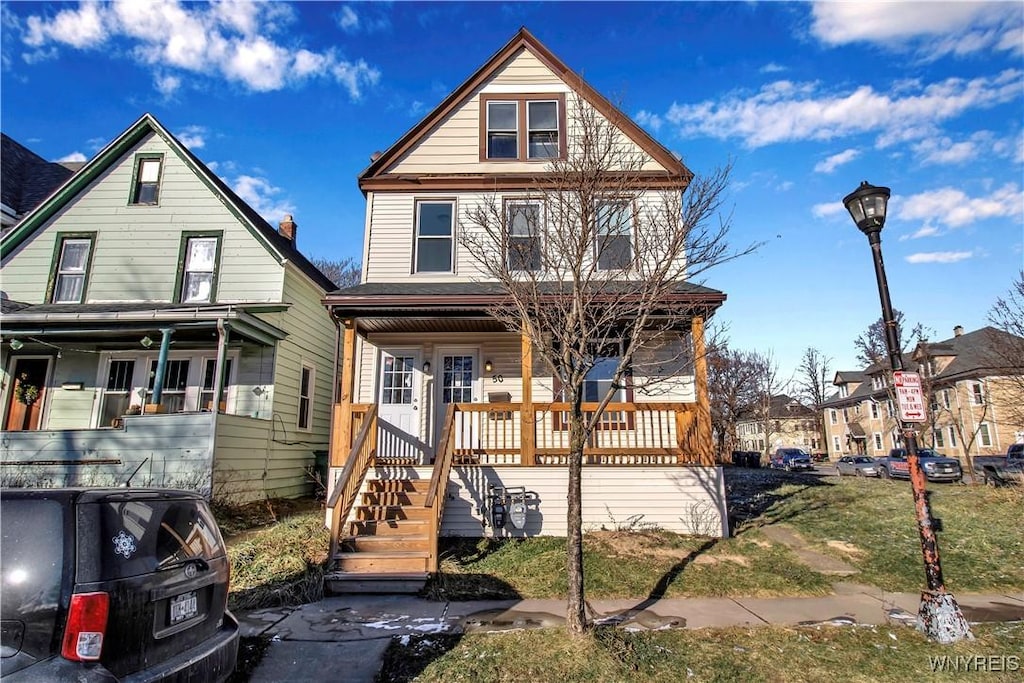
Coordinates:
389 527
399 582
397 461
392 498
406 485
384 562
386 543
387 512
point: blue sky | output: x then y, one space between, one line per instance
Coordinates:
288 101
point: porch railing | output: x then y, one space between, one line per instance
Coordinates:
627 434
350 481
437 493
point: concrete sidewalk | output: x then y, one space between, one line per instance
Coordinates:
349 634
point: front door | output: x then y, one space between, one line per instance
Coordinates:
398 413
28 389
457 382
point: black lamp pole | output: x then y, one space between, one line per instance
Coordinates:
939 615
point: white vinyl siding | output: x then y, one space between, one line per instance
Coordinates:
121 270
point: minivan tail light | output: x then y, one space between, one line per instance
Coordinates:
85 627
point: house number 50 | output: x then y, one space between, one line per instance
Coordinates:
497 378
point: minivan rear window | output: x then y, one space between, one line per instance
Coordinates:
32 561
142 536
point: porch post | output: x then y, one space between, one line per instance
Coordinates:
161 366
343 428
705 454
527 434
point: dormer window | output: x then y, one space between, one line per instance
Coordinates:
71 268
146 180
197 269
522 127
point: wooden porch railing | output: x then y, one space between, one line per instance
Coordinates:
350 481
436 494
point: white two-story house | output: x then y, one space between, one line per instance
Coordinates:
157 330
429 379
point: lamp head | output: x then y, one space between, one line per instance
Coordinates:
867 205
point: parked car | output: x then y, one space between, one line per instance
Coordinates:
819 457
791 459
1000 469
856 466
113 584
935 465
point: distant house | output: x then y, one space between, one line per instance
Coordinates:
968 382
430 378
156 328
26 179
788 423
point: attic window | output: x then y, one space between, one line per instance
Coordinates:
146 180
522 127
197 267
71 268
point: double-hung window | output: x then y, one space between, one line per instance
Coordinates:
117 394
874 410
71 269
435 231
306 387
522 220
832 416
198 270
146 182
522 127
613 232
978 394
984 434
210 383
175 384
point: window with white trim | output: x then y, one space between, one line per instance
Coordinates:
833 416
939 441
117 392
952 437
945 398
874 410
72 269
837 446
977 394
210 383
199 268
522 127
984 434
522 222
176 384
502 130
306 390
435 232
613 234
146 186
878 441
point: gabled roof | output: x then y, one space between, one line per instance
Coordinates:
279 246
525 40
26 179
975 354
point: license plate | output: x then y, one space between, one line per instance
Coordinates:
184 607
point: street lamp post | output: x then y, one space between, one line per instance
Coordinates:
939 615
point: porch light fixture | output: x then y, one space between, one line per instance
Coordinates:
146 342
16 344
426 367
939 614
488 366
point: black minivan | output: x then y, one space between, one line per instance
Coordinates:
113 585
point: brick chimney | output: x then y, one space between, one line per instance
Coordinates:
287 228
958 330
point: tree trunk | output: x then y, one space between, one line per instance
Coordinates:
576 621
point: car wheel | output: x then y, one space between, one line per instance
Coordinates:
860 473
839 472
885 473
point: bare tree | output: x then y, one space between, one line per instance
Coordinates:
768 384
595 269
1007 314
343 273
870 345
812 381
732 389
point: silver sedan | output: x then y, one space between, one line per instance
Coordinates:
856 466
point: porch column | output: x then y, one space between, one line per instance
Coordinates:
222 351
527 427
705 453
161 367
342 441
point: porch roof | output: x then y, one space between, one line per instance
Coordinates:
113 321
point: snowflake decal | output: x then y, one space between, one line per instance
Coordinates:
124 544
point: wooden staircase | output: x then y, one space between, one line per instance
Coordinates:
386 546
384 531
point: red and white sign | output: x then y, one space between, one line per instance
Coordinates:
909 396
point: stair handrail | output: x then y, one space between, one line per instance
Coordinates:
436 495
350 481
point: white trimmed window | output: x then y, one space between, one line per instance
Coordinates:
72 269
613 231
435 233
836 445
522 127
146 186
307 383
878 441
199 269
984 434
833 416
522 222
977 394
874 410
939 441
952 437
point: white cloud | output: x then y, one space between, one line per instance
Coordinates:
932 29
242 41
772 68
924 231
648 120
348 20
828 209
193 137
939 256
261 195
836 160
784 111
73 157
953 208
